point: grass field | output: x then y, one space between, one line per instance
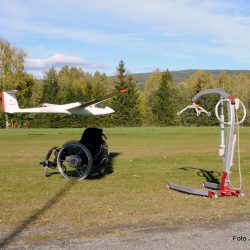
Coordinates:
143 160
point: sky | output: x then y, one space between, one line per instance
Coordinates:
146 34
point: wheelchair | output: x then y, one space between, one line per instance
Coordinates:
76 160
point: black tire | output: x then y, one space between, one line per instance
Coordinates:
74 161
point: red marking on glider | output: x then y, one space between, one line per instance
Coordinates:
123 90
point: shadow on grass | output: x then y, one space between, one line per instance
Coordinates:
109 169
9 238
110 165
210 176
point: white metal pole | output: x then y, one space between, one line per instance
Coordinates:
222 132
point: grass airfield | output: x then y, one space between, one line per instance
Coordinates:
133 194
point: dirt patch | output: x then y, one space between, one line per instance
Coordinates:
44 237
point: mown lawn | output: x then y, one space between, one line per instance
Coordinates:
143 160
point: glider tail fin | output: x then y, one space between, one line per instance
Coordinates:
9 102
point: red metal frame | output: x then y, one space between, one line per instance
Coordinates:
225 190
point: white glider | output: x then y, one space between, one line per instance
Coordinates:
10 105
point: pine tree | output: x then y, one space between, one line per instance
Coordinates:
50 90
126 105
162 106
150 88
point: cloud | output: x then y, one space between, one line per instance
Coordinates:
60 60
143 28
187 22
210 18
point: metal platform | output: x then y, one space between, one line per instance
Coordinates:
211 185
214 192
195 191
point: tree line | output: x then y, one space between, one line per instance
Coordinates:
155 104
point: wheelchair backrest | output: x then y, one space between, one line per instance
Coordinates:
93 137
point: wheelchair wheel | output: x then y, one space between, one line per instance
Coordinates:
74 161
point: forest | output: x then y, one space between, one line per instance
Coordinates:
155 103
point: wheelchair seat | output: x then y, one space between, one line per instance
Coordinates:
78 159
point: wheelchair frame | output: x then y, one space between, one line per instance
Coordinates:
74 161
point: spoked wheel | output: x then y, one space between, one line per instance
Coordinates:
74 161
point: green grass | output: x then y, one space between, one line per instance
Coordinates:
135 193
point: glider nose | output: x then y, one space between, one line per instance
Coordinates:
109 110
